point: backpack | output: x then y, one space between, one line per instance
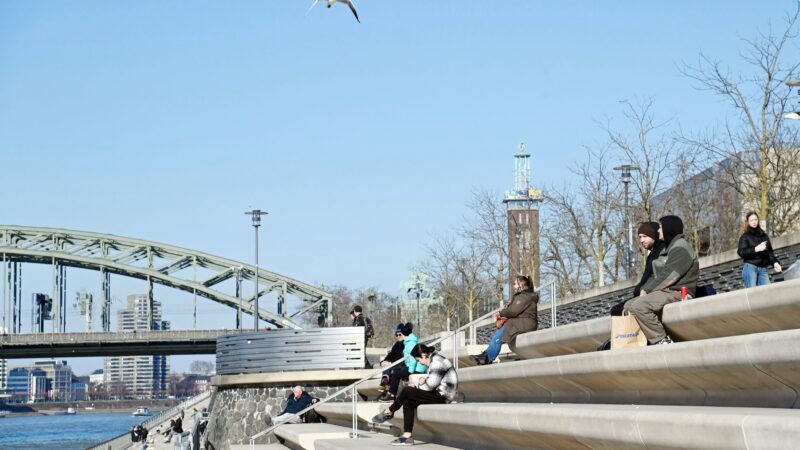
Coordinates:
368 330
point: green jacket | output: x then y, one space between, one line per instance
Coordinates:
675 267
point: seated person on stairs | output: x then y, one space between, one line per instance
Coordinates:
395 353
402 371
298 400
675 267
438 386
521 316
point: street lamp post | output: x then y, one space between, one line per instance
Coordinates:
626 170
794 115
256 216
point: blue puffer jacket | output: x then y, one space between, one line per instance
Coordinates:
413 366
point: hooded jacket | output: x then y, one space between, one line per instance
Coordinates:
675 267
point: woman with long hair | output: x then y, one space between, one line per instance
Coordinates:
437 387
756 251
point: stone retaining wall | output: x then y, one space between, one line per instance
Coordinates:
240 412
723 271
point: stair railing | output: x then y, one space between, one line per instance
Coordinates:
353 387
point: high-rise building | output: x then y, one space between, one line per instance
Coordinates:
137 376
522 204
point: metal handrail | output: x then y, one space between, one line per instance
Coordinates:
453 334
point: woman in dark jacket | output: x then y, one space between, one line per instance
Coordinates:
521 315
756 251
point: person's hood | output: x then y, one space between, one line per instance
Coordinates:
671 226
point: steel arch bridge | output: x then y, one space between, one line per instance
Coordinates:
145 260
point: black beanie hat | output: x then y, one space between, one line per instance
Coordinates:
407 329
357 309
671 226
398 328
649 229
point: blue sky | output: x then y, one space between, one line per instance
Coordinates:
167 120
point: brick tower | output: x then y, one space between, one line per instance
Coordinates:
522 204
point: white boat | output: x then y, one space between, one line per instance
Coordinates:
71 411
142 411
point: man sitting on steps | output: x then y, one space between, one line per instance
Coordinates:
298 400
675 267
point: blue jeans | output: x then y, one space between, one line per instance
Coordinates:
753 275
494 346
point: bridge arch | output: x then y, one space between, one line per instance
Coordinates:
146 260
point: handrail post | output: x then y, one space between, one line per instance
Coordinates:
455 351
354 435
553 312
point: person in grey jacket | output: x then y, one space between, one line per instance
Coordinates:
439 386
675 267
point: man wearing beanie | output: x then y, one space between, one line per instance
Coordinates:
649 240
401 372
675 267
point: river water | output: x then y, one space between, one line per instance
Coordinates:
62 432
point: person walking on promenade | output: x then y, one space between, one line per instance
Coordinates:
521 316
649 240
674 268
438 387
756 251
401 372
360 320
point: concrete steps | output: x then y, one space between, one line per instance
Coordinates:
325 436
765 308
756 370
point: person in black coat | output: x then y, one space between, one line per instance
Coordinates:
648 239
756 251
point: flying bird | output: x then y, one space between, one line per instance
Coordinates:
331 2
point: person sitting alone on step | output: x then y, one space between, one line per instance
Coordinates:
298 400
521 316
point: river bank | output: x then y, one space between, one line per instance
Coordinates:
96 407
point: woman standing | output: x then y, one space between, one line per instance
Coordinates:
437 387
756 251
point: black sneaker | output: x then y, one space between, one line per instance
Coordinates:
382 416
480 359
386 398
403 441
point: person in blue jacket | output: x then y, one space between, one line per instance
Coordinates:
298 400
402 371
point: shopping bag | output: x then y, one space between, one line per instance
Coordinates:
626 332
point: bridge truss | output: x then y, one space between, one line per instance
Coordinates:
145 260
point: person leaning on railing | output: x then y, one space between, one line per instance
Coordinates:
438 386
520 316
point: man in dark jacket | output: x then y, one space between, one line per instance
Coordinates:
360 320
521 315
298 400
649 240
675 267
394 354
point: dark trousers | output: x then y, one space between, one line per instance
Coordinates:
399 372
409 399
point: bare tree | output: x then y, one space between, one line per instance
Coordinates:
489 230
201 367
759 151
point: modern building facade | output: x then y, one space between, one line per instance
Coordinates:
522 205
137 376
41 381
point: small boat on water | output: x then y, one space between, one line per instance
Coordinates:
71 411
142 411
53 412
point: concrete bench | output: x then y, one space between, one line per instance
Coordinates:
319 436
571 426
755 310
755 370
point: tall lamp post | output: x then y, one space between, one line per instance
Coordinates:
794 115
626 170
256 216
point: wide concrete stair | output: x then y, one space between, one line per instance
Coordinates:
732 382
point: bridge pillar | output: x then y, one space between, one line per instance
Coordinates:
150 291
238 272
12 313
105 288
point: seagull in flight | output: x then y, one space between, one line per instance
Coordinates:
331 2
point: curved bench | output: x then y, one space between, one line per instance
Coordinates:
755 310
